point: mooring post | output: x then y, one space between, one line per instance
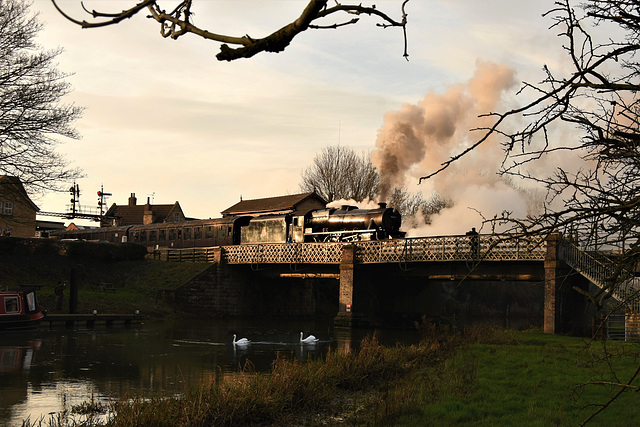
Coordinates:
552 303
345 302
74 281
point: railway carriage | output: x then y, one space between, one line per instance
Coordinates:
189 234
345 224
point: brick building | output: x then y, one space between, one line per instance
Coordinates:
134 214
17 211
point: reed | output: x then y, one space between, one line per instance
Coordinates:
340 385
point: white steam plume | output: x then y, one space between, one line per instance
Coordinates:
416 139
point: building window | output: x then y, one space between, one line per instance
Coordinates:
7 208
162 235
176 217
197 233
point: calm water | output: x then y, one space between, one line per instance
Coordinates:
47 371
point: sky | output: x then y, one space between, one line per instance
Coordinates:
165 120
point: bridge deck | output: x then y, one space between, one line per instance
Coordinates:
423 249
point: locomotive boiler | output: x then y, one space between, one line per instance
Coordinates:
349 223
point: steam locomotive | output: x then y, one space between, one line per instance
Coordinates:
346 224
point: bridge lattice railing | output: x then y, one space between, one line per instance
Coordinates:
601 271
452 248
442 248
284 253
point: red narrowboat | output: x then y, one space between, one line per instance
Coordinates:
19 310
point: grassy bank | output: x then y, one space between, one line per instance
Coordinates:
486 377
112 278
528 378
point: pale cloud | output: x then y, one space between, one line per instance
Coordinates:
166 117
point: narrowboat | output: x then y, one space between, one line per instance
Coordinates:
19 310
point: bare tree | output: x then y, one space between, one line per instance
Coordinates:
178 22
597 204
31 115
340 173
433 206
415 209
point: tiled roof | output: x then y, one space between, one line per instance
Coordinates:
269 204
134 214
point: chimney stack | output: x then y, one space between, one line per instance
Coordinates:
132 199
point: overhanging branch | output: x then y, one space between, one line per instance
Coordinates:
177 22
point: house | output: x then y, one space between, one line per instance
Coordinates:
17 211
296 204
74 227
134 214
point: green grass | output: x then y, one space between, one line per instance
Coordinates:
533 380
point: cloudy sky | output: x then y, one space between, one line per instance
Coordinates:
164 119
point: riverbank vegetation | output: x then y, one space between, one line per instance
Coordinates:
484 377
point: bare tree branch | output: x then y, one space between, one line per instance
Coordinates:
177 23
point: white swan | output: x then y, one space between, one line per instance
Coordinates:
308 340
241 341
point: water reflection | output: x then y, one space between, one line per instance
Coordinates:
50 370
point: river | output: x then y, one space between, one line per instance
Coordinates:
47 371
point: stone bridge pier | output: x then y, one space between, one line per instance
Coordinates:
565 308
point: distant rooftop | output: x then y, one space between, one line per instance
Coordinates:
134 214
275 205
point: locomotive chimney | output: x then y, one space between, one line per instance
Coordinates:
382 205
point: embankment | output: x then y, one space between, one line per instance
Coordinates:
111 278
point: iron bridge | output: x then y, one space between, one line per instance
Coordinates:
490 247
